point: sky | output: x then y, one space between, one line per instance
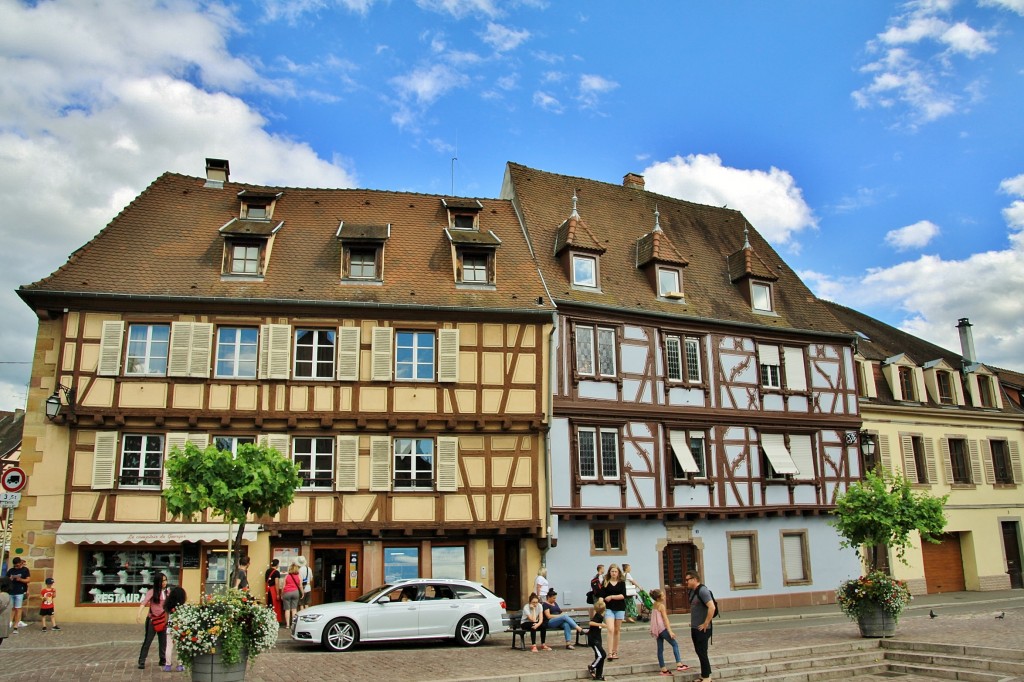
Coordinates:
877 145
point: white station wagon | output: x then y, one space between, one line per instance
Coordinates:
420 608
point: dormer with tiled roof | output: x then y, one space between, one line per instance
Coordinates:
248 239
659 260
362 252
473 248
753 276
578 250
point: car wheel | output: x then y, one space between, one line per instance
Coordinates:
340 634
471 631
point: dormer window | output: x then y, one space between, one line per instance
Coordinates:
907 386
475 267
257 205
463 221
669 283
463 214
473 256
761 297
660 261
584 271
362 251
246 246
244 257
362 262
254 211
945 386
985 391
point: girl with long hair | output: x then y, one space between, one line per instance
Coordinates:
614 593
153 604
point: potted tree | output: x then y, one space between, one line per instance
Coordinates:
877 513
223 630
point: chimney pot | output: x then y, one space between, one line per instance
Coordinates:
966 340
217 172
633 181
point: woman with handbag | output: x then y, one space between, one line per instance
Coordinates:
156 619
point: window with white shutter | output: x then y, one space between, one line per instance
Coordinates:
104 460
380 464
448 355
346 476
383 340
447 464
179 440
275 351
743 559
111 338
348 353
796 370
277 441
794 558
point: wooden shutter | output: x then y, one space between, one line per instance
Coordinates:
275 348
179 349
347 464
946 462
348 353
111 339
972 447
918 375
200 352
179 440
929 456
278 441
796 371
104 459
802 450
793 556
447 464
448 355
1018 478
383 341
909 465
884 453
742 559
988 465
380 464
768 355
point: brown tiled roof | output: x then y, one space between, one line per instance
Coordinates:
166 245
472 237
574 232
253 228
746 263
703 235
656 247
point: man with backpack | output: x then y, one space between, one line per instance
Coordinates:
702 610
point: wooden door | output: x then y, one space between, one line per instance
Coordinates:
944 565
1011 544
676 560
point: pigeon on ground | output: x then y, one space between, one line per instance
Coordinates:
1002 615
932 614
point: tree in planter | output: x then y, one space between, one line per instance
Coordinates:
257 480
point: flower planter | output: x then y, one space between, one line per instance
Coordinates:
875 622
211 668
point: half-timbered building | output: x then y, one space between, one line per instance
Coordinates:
704 402
394 345
942 420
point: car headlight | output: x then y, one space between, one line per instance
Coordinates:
310 618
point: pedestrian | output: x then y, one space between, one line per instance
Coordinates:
153 604
5 609
661 630
306 575
533 618
20 578
272 580
47 596
554 618
702 610
541 585
595 587
614 594
631 591
594 637
242 574
291 593
175 598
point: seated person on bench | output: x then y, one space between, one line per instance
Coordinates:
554 618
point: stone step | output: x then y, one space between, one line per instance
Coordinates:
991 664
947 673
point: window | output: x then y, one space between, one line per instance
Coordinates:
448 562
315 459
985 393
401 563
142 458
598 453
112 574
414 355
674 360
1001 469
907 383
237 352
770 376
695 445
414 463
585 351
668 283
147 349
255 211
463 221
362 263
476 266
945 382
314 354
958 460
920 461
584 271
743 560
761 296
795 566
608 540
244 257
231 443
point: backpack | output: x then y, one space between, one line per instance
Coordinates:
718 611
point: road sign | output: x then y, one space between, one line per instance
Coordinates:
13 479
9 500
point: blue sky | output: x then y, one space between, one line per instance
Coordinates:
877 145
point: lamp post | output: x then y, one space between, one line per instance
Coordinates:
868 446
53 404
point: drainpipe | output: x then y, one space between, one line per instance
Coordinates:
552 374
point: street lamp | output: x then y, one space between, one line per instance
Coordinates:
867 445
53 403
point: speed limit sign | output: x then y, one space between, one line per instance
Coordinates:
13 479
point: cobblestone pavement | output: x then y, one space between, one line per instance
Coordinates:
95 652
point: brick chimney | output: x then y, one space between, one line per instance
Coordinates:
966 340
217 171
633 181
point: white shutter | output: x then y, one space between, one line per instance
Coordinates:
447 464
741 555
768 355
681 449
347 464
348 353
104 459
796 370
179 349
972 447
802 450
380 464
774 446
909 464
448 355
989 466
111 339
1018 478
929 455
946 463
275 347
383 342
278 441
793 556
884 453
200 352
918 375
179 440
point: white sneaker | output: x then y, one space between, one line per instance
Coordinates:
22 624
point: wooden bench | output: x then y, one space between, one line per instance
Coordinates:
581 616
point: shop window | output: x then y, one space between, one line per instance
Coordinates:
121 575
448 562
401 563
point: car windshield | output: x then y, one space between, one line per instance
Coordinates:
373 594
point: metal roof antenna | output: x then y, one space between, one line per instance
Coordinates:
454 159
746 237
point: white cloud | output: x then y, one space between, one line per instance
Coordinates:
503 38
1014 185
1012 5
913 236
771 200
461 8
427 84
547 102
592 87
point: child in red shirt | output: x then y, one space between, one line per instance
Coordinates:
49 596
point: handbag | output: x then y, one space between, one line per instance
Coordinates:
159 622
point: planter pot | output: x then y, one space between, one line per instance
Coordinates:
211 668
874 622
